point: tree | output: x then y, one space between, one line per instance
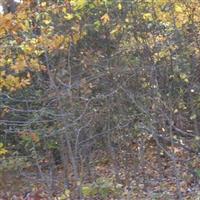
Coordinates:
79 76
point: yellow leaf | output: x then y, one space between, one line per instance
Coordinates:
25 25
34 64
79 4
105 18
64 10
22 15
43 4
68 16
11 82
3 151
2 73
39 52
26 48
115 30
24 82
47 21
127 20
184 77
2 32
178 8
119 6
76 38
28 75
65 195
148 16
19 64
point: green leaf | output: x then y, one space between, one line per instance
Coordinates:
197 171
89 190
184 77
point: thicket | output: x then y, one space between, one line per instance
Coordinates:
88 81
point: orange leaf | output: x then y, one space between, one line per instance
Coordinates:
105 18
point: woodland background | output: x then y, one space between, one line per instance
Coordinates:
100 99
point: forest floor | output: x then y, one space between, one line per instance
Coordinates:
156 178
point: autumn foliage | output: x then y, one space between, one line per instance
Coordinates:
97 96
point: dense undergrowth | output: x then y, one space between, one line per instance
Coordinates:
100 99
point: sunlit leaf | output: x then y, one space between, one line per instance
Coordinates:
3 151
119 5
105 18
148 16
68 16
